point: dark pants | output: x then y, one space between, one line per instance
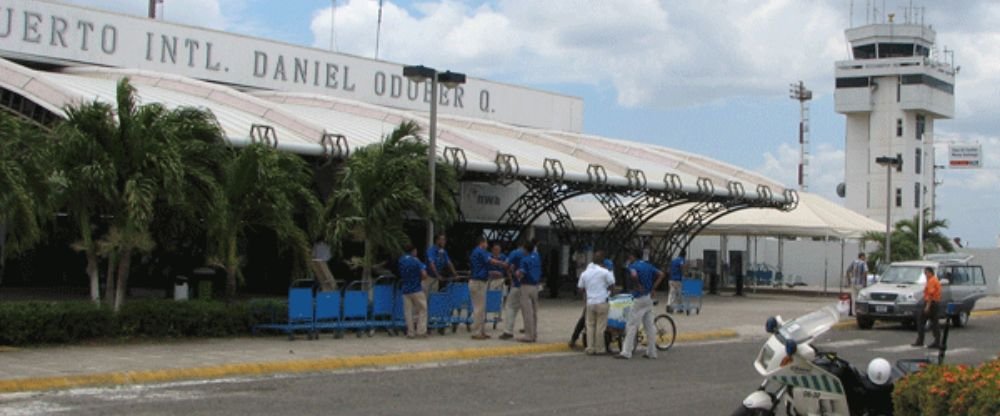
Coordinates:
932 315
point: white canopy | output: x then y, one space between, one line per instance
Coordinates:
814 217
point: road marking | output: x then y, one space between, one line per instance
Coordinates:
898 348
959 351
847 343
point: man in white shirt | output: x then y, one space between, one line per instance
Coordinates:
595 282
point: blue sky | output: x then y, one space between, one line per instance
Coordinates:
705 77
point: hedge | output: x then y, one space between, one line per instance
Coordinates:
940 390
27 323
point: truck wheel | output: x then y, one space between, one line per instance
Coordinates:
865 323
961 320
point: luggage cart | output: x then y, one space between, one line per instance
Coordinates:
692 292
383 299
300 314
355 316
329 313
438 311
494 306
461 303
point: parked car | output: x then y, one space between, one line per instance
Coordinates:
898 295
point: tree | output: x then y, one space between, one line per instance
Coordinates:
262 188
27 184
381 184
120 164
905 241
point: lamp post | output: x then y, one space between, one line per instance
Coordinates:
419 74
890 162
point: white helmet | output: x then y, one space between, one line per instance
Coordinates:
879 371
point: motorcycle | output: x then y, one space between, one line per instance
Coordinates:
808 381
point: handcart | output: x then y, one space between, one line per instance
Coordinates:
692 292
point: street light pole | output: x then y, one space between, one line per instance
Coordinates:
419 74
889 162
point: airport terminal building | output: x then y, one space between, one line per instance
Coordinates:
525 164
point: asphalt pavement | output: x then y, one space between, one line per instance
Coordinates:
152 361
707 377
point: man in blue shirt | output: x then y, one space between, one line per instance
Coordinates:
530 273
412 274
480 261
438 263
677 267
645 278
512 304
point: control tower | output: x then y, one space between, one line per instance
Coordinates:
892 91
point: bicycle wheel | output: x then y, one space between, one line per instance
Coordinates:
666 332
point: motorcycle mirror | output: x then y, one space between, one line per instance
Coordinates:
771 326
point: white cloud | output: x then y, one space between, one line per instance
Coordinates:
826 168
653 53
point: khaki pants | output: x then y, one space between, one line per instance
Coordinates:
510 309
674 298
854 297
597 323
415 310
430 285
642 311
477 291
529 310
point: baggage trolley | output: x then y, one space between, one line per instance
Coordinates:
383 299
329 313
300 314
355 316
692 292
438 311
494 306
461 304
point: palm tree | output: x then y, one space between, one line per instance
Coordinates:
27 183
905 241
120 165
262 189
379 186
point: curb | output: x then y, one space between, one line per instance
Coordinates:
304 365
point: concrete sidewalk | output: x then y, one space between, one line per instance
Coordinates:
36 368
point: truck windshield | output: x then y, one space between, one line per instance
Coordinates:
903 275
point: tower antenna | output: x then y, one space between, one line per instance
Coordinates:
378 29
803 95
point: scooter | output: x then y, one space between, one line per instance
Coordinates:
807 381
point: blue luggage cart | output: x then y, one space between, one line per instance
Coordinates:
383 300
494 306
438 311
461 304
692 292
300 314
329 312
355 316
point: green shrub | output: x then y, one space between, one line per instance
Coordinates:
26 323
53 322
950 390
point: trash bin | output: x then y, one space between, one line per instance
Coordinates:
181 290
204 276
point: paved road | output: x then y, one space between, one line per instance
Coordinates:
708 378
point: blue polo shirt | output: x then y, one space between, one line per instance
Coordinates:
479 262
514 259
647 276
610 265
677 269
495 268
531 266
439 257
409 273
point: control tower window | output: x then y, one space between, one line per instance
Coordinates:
918 161
895 50
899 197
921 127
864 52
899 127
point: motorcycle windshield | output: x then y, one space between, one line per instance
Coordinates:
807 327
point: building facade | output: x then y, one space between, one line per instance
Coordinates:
892 91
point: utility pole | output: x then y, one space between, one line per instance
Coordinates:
803 95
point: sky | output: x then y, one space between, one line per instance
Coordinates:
706 77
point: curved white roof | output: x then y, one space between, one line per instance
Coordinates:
300 122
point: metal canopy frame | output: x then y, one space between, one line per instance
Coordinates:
630 203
